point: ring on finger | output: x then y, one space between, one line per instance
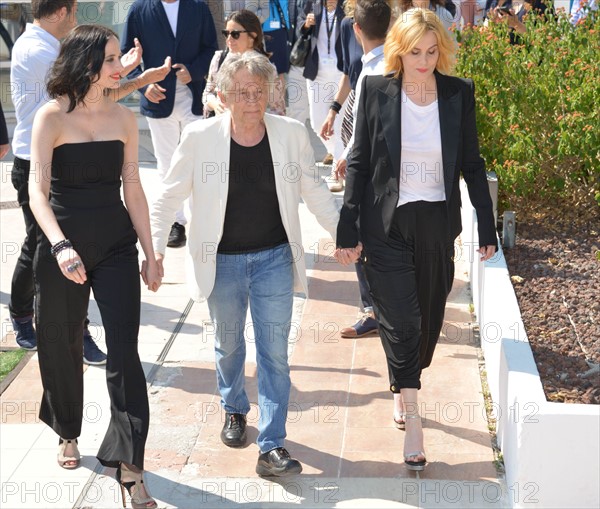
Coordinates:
74 266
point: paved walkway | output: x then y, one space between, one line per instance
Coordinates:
340 419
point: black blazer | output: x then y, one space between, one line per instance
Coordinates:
311 67
374 166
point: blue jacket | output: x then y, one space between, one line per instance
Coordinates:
194 46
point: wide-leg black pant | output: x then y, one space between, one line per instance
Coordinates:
410 276
61 309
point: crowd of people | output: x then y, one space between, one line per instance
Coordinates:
399 131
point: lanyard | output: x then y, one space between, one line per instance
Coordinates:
329 29
277 5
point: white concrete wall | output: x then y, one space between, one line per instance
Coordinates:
551 450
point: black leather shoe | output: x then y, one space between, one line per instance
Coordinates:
177 236
277 462
233 433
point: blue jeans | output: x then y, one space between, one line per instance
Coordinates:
265 279
363 286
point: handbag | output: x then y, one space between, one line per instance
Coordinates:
300 51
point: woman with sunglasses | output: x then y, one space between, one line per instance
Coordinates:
243 32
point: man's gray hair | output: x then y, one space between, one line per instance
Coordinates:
256 64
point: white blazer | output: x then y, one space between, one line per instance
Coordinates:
200 170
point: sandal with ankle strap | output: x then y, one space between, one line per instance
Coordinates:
414 465
68 462
133 487
400 422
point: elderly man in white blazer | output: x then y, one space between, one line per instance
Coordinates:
246 172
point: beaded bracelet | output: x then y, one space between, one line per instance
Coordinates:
335 106
59 246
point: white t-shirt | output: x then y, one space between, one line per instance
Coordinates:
421 165
326 52
172 10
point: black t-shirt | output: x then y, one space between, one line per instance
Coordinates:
252 217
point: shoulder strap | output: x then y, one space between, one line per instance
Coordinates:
222 58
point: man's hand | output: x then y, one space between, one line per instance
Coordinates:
183 75
159 260
346 256
132 58
155 93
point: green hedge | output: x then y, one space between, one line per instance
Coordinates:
538 109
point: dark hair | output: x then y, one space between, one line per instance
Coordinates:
251 23
79 63
373 18
44 8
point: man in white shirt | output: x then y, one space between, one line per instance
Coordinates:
33 54
185 31
371 21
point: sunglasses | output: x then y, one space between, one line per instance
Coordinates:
234 33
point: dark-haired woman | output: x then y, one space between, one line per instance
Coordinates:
243 32
84 147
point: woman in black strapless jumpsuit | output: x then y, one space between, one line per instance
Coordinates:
85 198
84 147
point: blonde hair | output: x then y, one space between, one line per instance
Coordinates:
349 8
405 34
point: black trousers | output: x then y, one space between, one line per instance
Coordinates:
61 309
22 289
410 276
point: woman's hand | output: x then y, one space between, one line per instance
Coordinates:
151 274
132 58
216 105
156 74
71 266
341 165
310 21
486 252
327 127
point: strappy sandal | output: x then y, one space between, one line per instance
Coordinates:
133 482
68 462
415 465
400 422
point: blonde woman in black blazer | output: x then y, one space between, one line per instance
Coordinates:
401 209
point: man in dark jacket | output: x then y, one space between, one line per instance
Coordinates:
185 31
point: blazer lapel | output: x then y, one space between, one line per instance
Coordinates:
389 110
184 16
161 16
450 111
279 156
222 151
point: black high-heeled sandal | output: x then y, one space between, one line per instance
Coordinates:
133 487
68 462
